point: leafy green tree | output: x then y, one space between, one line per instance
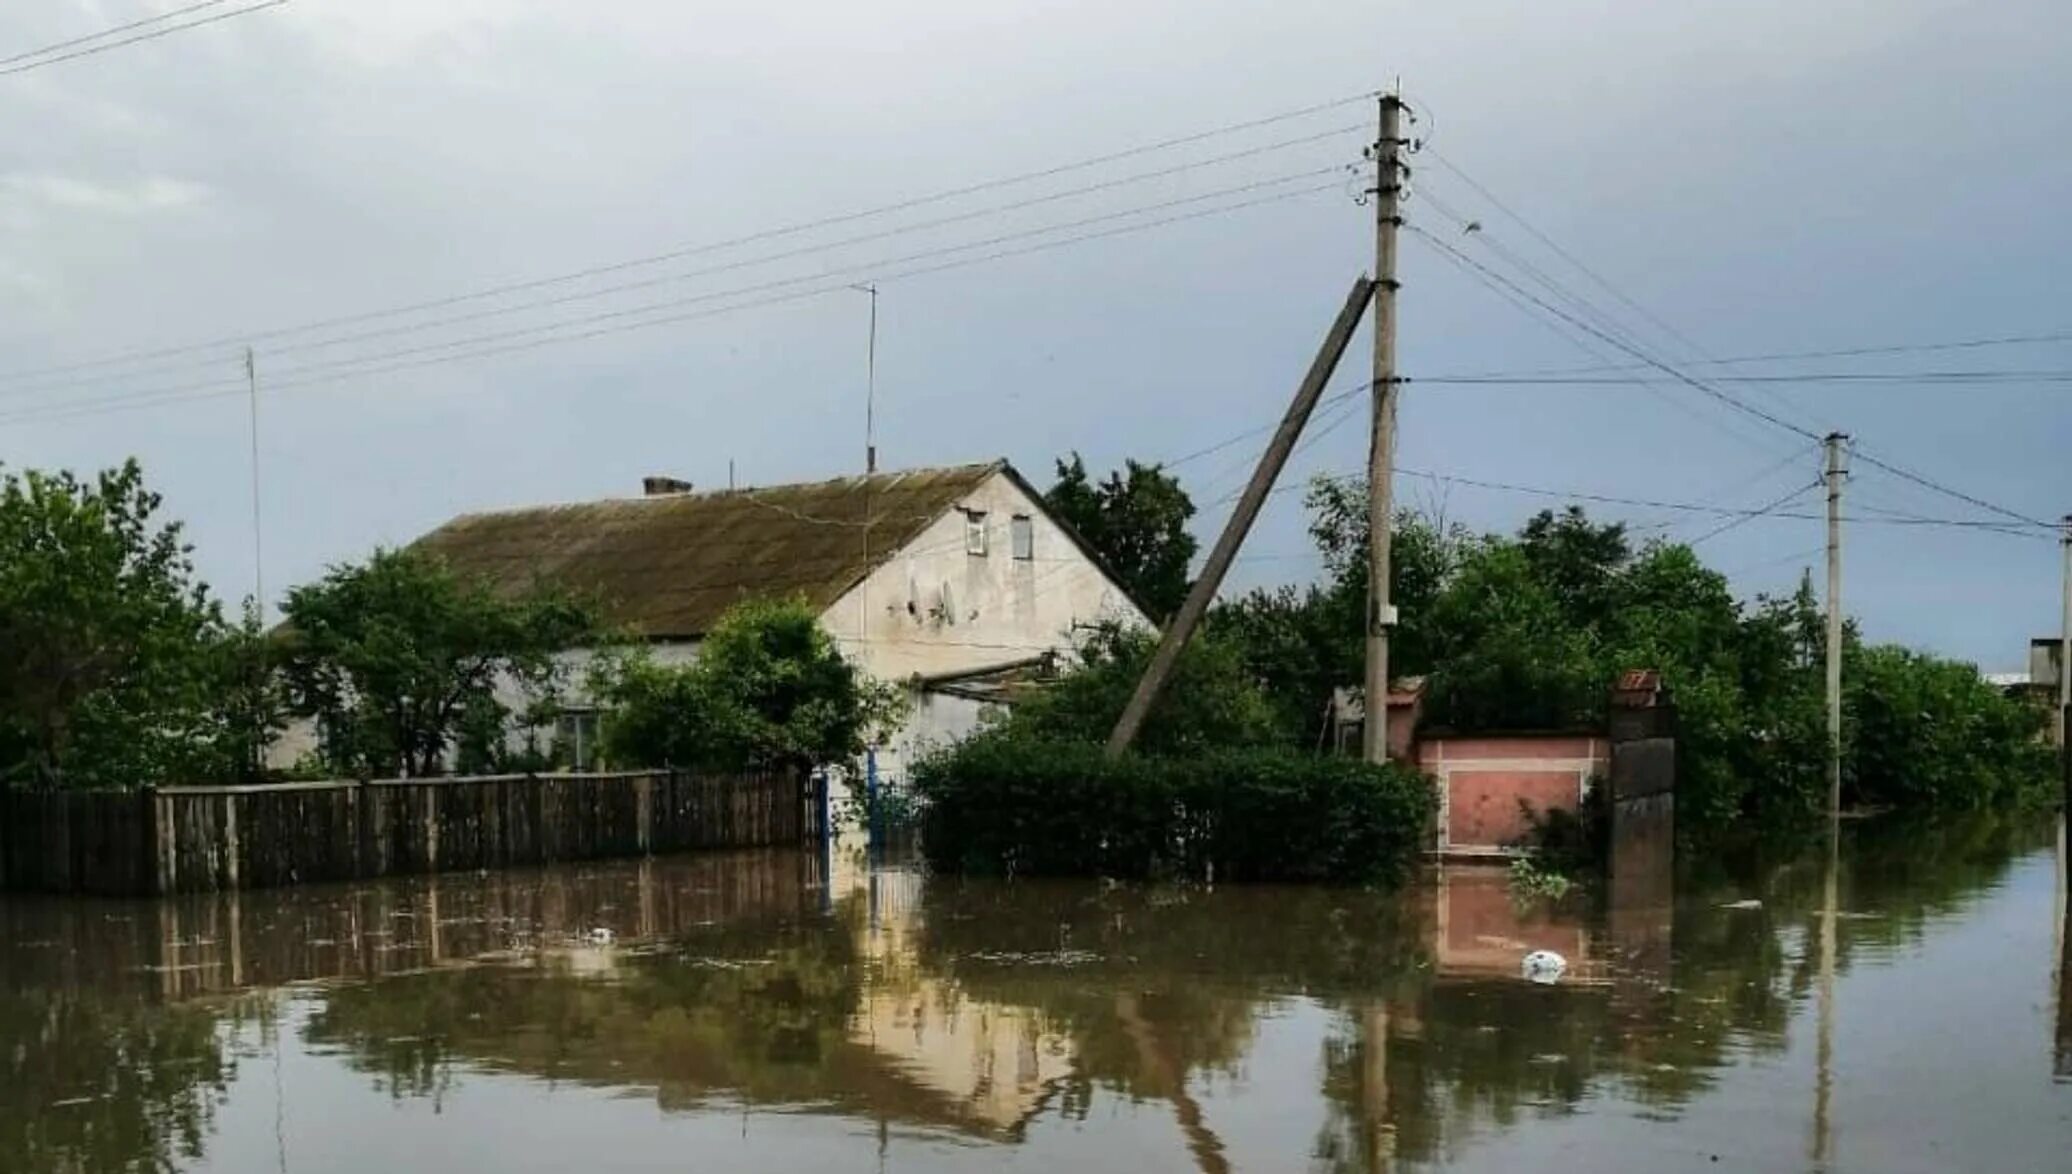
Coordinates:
1423 557
1137 520
769 689
1506 657
104 636
1211 700
1922 732
389 656
247 703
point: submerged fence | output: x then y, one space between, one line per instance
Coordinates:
200 839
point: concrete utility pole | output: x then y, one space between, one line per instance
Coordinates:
870 390
2065 673
1381 455
1204 590
1835 473
258 547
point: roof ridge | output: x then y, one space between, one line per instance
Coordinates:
893 476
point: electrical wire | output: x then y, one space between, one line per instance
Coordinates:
1921 377
41 60
903 205
731 266
1564 254
1651 361
1751 516
1793 356
1945 490
214 391
161 18
1562 326
1672 372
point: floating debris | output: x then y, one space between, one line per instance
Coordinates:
1544 967
1040 958
1748 903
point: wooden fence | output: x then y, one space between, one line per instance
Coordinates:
203 839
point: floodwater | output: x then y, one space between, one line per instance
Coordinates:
1901 1008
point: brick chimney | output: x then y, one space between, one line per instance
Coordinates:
663 486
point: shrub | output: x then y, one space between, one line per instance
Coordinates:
1001 803
769 689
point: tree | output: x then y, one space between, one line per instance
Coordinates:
1423 555
1921 732
390 655
1211 701
104 636
769 690
1136 520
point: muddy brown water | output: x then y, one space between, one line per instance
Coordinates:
785 1011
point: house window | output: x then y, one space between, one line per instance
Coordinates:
575 731
1023 529
975 532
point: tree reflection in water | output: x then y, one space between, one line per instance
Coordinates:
972 1008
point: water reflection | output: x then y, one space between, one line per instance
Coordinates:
851 1009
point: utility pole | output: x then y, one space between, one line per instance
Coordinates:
2065 674
258 548
1835 473
1381 454
1199 596
870 390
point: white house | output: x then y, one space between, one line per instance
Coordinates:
945 580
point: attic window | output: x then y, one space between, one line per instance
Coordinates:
975 532
1023 532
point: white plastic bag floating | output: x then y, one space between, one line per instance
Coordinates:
1544 967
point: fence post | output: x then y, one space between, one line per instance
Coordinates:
147 831
230 844
644 813
431 828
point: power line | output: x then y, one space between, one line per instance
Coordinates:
213 391
695 250
1654 362
161 18
1564 254
1605 318
1938 487
89 50
1792 356
1921 377
1679 376
1751 516
740 264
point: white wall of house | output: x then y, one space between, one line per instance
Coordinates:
936 607
940 606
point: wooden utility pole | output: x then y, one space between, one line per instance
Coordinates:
1835 473
1381 453
1204 590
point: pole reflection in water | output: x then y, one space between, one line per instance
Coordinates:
2062 1057
1824 1046
757 1013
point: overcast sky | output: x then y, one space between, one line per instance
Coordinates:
1763 176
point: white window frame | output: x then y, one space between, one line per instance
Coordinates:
975 533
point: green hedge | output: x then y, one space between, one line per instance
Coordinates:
1020 806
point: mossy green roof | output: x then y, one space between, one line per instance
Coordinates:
666 567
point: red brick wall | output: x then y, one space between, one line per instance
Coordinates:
1484 779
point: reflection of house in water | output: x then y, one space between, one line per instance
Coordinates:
996 1062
